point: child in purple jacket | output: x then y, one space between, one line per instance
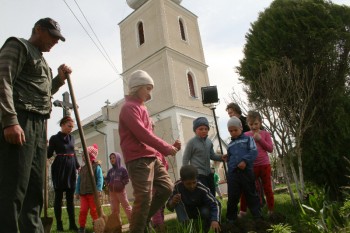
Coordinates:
116 180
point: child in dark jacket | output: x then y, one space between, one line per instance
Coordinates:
117 178
191 200
241 153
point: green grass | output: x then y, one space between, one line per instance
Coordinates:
282 205
106 210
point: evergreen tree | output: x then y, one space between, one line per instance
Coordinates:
309 33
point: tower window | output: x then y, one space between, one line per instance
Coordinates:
191 85
182 29
141 33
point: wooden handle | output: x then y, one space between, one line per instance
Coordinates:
83 143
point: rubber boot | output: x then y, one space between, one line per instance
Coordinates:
59 226
71 216
73 226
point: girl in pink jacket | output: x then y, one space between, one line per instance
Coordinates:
262 166
139 146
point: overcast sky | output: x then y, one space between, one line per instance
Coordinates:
223 25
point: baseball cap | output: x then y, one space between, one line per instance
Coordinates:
52 26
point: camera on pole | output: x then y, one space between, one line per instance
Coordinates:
210 99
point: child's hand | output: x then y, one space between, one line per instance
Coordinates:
176 199
77 196
224 157
242 165
173 151
257 136
177 144
215 226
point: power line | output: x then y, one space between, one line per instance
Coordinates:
107 59
94 92
104 52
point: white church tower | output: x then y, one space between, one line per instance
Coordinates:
163 38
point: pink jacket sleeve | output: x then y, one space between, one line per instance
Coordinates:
134 118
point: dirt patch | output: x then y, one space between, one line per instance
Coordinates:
245 225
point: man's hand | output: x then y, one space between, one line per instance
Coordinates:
14 134
215 226
63 70
224 157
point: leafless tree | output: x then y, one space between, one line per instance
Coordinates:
288 92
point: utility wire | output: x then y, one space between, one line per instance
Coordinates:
104 54
108 60
94 92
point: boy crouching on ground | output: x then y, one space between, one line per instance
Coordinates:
191 200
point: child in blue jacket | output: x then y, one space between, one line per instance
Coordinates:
241 152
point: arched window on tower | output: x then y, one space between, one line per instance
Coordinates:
141 33
191 86
182 29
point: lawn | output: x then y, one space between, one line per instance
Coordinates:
284 210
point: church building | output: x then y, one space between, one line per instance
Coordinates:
162 38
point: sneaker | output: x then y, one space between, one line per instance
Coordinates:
241 214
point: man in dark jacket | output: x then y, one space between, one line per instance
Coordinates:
26 89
